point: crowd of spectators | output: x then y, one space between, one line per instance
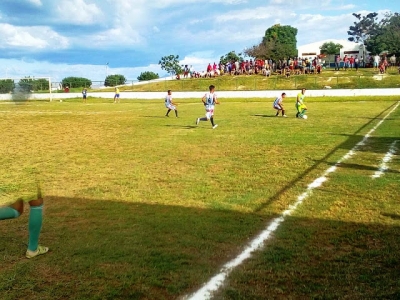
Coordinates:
286 67
289 67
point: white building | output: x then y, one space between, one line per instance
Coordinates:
349 49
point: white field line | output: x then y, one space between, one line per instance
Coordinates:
386 159
206 292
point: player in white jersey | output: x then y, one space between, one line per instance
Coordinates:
170 104
209 100
278 105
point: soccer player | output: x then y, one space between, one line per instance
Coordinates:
84 94
116 96
278 105
209 100
170 104
300 106
34 224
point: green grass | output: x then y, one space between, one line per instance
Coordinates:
139 206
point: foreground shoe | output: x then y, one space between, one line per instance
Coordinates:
285 116
40 250
197 121
215 126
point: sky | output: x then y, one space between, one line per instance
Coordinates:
96 38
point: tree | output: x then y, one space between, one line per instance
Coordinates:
147 76
76 82
6 86
170 64
29 84
330 48
279 42
231 56
283 40
386 36
363 29
261 51
114 80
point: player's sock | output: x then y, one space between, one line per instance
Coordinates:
167 112
212 121
35 225
8 213
283 112
203 119
277 114
176 113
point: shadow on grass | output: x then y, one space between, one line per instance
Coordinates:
322 259
182 126
362 167
265 116
374 144
351 141
120 250
392 216
155 117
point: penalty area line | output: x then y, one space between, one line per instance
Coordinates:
213 285
386 159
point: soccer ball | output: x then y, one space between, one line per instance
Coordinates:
305 117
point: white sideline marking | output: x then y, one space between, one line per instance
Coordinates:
218 280
386 159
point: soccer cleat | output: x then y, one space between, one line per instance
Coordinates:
39 251
285 116
215 126
197 121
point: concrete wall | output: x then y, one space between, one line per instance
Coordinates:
222 94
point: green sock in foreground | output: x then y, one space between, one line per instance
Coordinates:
35 225
8 213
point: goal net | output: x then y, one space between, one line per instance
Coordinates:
27 88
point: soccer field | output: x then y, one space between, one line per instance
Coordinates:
141 206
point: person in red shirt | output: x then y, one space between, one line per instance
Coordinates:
351 60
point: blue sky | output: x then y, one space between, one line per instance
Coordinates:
79 37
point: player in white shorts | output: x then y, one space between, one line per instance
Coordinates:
209 100
278 105
170 104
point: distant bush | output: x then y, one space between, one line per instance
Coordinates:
76 82
6 86
33 85
113 80
148 76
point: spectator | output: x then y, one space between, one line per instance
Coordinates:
376 61
356 62
346 62
351 62
337 63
